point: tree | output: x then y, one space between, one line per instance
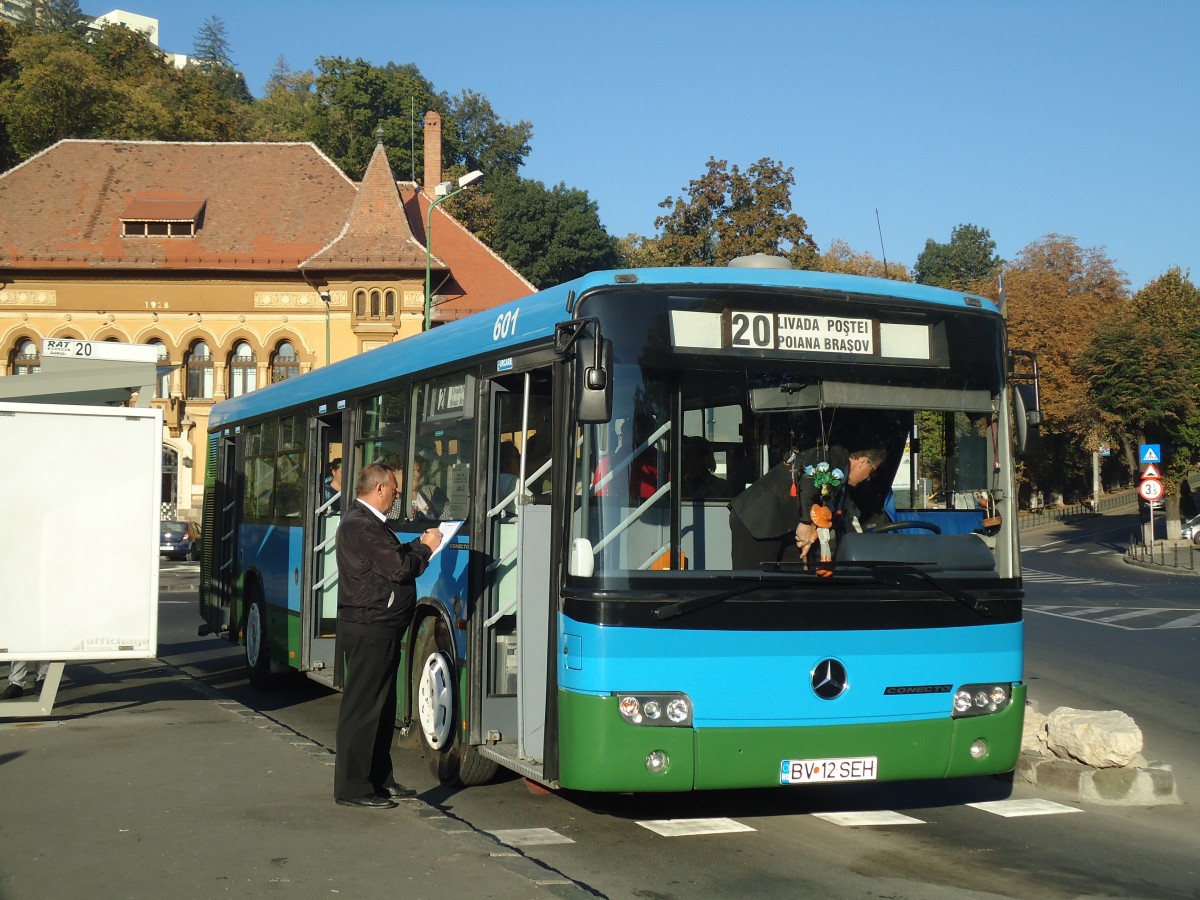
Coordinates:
354 98
968 258
475 138
1057 295
549 235
60 92
210 47
56 17
288 110
1143 372
841 257
728 213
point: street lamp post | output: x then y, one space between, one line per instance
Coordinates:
445 193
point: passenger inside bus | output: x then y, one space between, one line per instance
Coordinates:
428 499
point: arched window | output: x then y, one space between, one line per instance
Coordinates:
360 304
243 370
286 363
375 304
27 358
199 365
162 389
389 304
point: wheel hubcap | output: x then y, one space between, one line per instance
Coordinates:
435 701
253 635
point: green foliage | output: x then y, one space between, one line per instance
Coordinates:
210 48
841 257
549 235
727 213
1058 294
969 257
474 137
1143 371
56 17
354 98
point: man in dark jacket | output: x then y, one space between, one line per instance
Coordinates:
376 596
771 521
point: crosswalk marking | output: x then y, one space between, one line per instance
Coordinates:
868 817
531 837
1119 617
1010 809
1076 550
690 827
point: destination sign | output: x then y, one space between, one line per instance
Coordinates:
799 333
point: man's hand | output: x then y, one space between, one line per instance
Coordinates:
805 535
432 538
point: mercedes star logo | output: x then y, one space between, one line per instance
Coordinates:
829 679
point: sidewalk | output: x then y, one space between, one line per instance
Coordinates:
147 784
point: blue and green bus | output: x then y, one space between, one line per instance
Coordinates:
593 623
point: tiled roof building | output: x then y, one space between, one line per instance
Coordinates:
244 263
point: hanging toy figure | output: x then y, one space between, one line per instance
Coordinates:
822 518
826 479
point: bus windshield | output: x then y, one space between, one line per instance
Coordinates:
734 408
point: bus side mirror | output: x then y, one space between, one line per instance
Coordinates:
593 380
1028 419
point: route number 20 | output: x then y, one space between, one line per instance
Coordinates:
752 330
506 324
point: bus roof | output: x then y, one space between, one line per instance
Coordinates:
534 317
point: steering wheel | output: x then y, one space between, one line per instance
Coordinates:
898 526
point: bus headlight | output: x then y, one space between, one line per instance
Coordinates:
981 699
662 709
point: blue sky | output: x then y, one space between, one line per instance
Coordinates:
1025 118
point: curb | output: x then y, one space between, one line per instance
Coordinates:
1153 785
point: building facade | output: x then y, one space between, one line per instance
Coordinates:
242 264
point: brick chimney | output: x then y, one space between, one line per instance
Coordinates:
433 151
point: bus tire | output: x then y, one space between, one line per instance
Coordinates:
258 656
438 708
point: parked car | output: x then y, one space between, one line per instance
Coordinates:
179 540
1191 529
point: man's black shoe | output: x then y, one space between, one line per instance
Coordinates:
371 801
395 791
13 691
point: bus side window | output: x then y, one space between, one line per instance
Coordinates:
444 438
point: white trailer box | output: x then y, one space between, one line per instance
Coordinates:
79 533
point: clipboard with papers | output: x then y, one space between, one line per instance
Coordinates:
448 530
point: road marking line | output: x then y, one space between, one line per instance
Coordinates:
1185 622
1133 614
1014 808
1076 550
868 817
531 837
689 827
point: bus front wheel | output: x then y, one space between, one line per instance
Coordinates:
435 687
258 658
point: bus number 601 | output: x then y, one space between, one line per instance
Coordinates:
753 330
506 324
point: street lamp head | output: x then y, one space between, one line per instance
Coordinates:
442 189
469 178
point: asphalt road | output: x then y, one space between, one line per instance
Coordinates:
902 841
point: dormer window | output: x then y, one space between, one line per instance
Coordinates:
163 218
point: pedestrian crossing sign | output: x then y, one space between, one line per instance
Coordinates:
1149 453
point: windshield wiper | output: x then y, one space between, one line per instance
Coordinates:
972 603
671 610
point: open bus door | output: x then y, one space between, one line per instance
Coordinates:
218 564
319 607
517 620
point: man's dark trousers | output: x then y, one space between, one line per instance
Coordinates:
367 717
